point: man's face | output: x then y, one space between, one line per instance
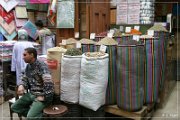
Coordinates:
27 57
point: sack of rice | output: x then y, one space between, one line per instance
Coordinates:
93 80
70 75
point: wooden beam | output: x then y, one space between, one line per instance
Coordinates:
113 109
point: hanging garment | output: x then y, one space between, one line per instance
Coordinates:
6 35
7 16
1 37
8 5
17 63
47 42
9 28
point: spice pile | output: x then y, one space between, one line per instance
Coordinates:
86 41
73 52
107 41
94 54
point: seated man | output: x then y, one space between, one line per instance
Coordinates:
37 79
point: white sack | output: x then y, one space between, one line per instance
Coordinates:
70 78
93 81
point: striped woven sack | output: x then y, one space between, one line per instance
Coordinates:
152 69
87 48
122 38
163 36
130 76
111 90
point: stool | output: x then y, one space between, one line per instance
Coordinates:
11 101
55 111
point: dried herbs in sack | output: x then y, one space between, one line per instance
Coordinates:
70 75
93 80
111 50
130 76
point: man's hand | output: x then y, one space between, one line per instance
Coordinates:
20 90
40 98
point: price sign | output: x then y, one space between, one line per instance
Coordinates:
78 45
103 48
92 36
76 35
63 42
150 32
137 27
128 29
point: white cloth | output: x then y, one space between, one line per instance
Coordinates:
17 63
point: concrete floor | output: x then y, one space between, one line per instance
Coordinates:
171 110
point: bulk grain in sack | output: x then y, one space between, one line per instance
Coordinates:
54 56
130 75
70 75
111 87
152 68
93 80
70 43
163 35
87 45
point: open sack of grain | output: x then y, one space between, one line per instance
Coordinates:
93 83
87 45
69 43
163 35
152 68
54 56
111 87
70 75
130 75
